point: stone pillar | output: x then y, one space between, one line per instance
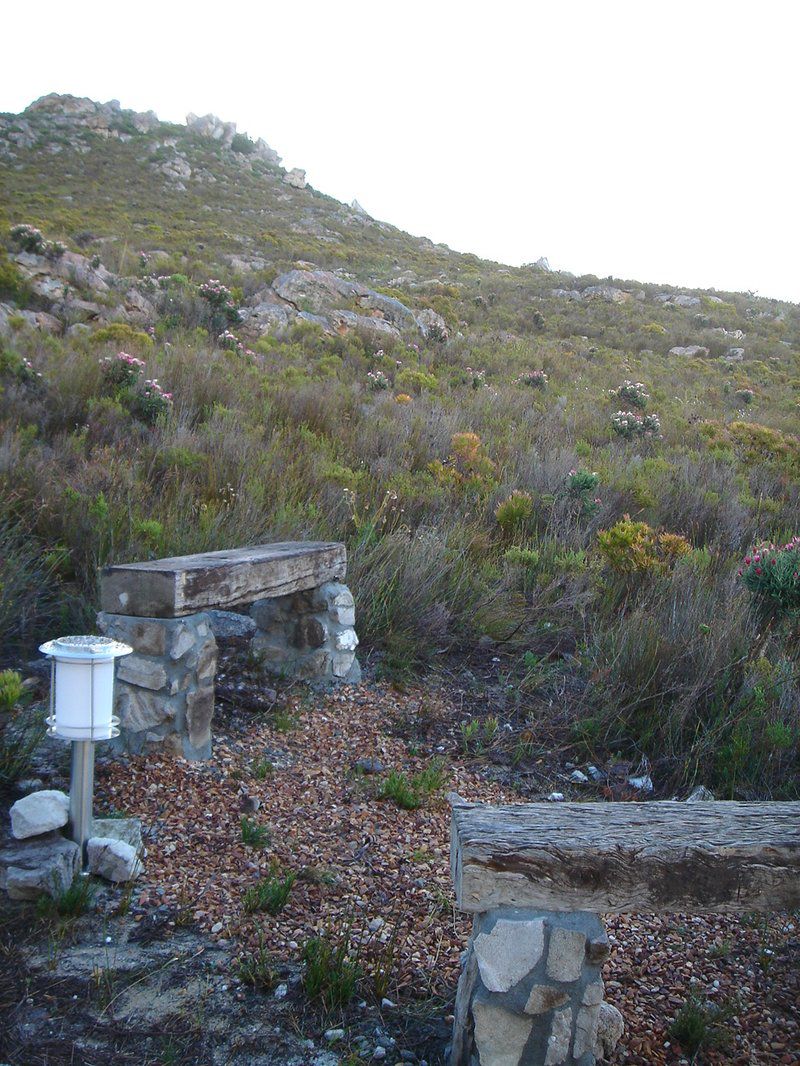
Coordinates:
164 694
308 634
530 992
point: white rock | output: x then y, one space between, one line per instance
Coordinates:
558 1041
500 1036
578 777
346 640
509 952
566 954
38 813
556 797
610 1028
332 1035
112 859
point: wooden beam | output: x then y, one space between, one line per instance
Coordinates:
634 857
185 584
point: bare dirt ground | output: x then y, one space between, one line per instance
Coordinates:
155 976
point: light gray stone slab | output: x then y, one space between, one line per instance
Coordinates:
509 952
566 954
500 1036
559 1039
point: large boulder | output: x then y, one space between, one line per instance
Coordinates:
38 813
607 293
316 290
46 863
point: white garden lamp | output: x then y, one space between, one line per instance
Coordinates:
81 711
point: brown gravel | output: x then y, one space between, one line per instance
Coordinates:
361 859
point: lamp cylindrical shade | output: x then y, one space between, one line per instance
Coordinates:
83 686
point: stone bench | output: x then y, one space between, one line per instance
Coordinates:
300 618
535 876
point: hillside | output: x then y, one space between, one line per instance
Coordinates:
571 508
478 434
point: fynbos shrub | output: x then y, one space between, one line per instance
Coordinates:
772 574
632 392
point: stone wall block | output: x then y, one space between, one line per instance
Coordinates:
165 690
308 634
145 673
537 997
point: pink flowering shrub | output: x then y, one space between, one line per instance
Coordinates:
377 380
477 378
30 239
745 396
772 574
220 300
629 424
121 371
534 379
231 343
151 402
632 392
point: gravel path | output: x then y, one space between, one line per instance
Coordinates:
365 863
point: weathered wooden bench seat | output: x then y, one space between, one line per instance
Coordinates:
617 857
536 876
300 623
186 584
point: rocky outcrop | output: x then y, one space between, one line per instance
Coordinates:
319 295
296 178
212 127
109 119
689 350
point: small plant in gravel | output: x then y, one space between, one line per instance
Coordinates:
698 1026
270 893
632 392
533 379
411 793
476 736
254 835
258 968
262 769
331 972
772 574
72 902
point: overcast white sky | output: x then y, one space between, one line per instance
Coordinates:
649 140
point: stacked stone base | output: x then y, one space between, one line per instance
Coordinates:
164 695
308 634
530 992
